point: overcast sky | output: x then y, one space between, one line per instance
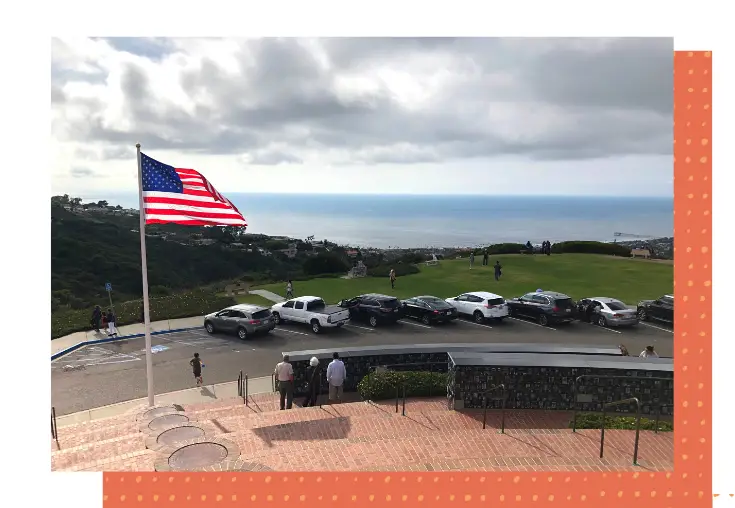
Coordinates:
423 116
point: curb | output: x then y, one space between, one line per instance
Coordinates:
114 339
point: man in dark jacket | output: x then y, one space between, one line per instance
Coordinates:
314 379
96 318
498 269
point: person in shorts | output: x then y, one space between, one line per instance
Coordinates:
336 374
284 376
196 365
111 326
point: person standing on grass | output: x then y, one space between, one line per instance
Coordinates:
472 259
392 276
284 376
96 318
289 289
111 328
336 374
314 378
498 269
196 367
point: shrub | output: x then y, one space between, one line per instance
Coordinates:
594 421
325 263
401 269
382 385
579 247
195 303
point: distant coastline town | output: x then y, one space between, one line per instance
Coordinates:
658 248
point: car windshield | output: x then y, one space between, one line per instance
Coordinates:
261 314
390 304
436 302
616 305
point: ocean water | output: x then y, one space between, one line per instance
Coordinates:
446 221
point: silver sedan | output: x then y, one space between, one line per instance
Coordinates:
605 311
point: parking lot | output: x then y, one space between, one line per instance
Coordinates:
103 374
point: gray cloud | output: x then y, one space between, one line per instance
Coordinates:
78 172
545 99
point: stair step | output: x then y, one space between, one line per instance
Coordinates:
99 453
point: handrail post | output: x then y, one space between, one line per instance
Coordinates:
54 428
239 385
273 382
404 399
602 433
658 410
574 404
397 392
637 431
484 410
247 391
502 412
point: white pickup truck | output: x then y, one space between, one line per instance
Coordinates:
311 310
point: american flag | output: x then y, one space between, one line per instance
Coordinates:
184 196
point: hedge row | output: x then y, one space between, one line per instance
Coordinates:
195 303
401 269
594 421
382 385
579 247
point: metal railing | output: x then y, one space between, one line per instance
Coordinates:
637 425
373 368
578 379
243 388
403 386
502 407
54 428
239 385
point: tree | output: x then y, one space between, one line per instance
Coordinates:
75 202
102 204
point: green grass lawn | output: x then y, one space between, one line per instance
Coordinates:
578 275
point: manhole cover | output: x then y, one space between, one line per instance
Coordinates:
179 434
165 421
158 411
197 456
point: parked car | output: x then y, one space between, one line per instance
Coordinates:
659 310
311 310
546 307
374 309
605 311
429 309
481 305
244 320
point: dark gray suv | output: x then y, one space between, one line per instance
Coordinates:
243 319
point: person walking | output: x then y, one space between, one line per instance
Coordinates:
498 271
392 276
111 328
336 374
314 378
648 353
548 248
472 259
485 258
289 289
196 367
284 376
96 318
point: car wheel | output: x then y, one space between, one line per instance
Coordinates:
642 315
601 321
209 327
242 333
373 321
543 320
479 318
499 320
277 318
425 319
510 311
315 326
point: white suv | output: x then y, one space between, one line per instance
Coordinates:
480 305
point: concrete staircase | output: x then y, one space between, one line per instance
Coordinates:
350 436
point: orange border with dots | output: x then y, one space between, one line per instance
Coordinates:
689 485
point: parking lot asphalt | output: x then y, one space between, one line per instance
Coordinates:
99 375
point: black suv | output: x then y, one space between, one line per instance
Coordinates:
545 307
660 310
374 309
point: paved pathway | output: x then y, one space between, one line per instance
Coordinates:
268 295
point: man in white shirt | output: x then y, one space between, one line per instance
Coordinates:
648 353
336 374
284 376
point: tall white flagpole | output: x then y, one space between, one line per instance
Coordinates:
144 268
